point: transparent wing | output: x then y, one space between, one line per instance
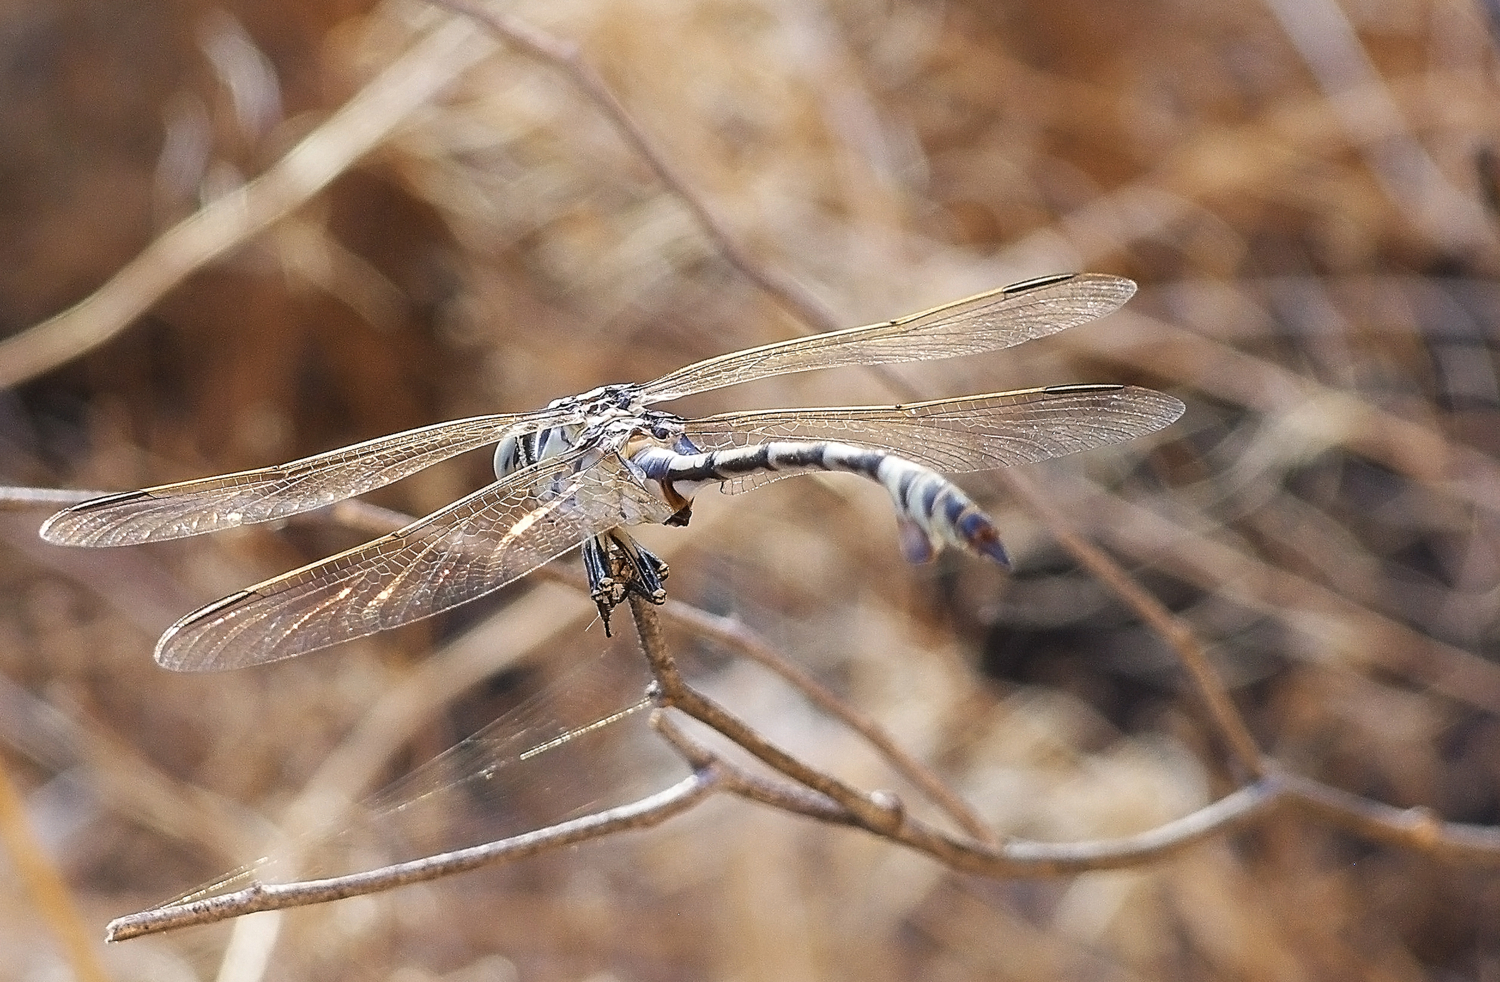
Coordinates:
212 503
987 322
473 546
970 433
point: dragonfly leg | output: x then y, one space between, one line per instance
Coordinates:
600 564
616 565
647 570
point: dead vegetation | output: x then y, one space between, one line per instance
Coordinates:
1305 193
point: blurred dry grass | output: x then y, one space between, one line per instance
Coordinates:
1317 268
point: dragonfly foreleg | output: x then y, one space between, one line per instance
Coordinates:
604 589
931 511
616 565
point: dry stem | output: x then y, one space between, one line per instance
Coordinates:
804 790
800 789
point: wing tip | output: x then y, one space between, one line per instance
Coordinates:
1175 407
52 529
75 524
178 648
1169 408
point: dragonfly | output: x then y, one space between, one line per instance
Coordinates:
580 471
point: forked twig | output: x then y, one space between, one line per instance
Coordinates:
803 790
751 645
375 520
871 810
809 792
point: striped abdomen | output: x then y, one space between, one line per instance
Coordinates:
930 509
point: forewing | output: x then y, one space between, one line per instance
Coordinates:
970 433
987 322
209 504
476 545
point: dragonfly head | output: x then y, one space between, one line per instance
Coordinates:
663 427
647 428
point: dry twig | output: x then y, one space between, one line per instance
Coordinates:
812 793
1172 541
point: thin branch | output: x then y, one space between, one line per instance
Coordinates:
1227 720
733 633
890 820
781 795
565 57
1419 828
873 811
26 499
1015 858
645 813
1413 828
882 813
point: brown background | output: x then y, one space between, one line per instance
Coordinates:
1315 247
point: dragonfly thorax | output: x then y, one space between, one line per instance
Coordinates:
609 417
620 401
616 397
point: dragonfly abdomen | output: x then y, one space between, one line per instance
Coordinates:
931 510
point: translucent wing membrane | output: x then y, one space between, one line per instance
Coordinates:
579 744
504 531
969 433
476 545
987 322
193 507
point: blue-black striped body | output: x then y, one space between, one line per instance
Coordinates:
931 510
